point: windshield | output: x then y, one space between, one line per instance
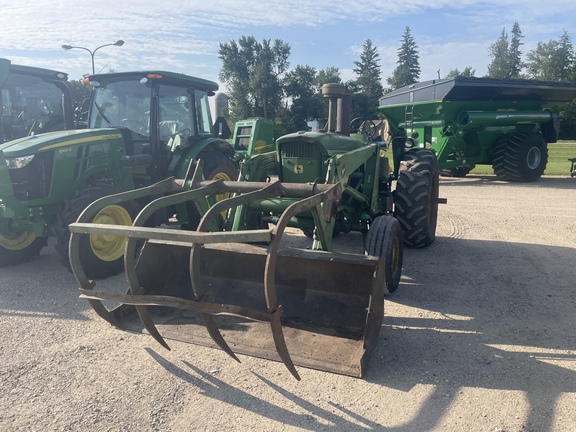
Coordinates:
122 103
30 106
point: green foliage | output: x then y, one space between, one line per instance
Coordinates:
467 72
553 60
299 85
253 72
408 69
506 55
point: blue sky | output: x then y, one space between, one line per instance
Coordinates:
183 36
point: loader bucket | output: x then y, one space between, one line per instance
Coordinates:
245 293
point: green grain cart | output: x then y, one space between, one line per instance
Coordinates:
468 121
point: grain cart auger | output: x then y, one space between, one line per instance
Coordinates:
237 277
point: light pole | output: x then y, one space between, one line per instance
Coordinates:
119 42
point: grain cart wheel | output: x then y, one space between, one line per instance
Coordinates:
17 246
101 255
216 166
520 157
384 240
416 197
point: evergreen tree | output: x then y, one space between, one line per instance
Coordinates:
368 86
506 55
408 69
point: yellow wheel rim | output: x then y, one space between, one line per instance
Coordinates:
18 241
225 177
107 247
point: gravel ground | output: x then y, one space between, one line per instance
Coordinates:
479 336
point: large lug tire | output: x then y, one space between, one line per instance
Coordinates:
215 166
384 240
520 157
416 197
101 255
18 246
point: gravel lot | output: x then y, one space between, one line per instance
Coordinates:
480 336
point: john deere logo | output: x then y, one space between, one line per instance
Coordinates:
298 169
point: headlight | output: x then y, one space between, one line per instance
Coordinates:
18 162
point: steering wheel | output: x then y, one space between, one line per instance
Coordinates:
359 125
135 125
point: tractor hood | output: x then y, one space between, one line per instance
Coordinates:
63 141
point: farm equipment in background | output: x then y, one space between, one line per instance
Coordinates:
235 279
143 127
33 101
572 167
470 121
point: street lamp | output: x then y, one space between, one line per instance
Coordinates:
119 42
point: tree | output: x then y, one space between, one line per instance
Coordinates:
467 72
553 60
506 55
408 69
253 72
367 86
299 86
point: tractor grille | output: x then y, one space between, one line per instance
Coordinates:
299 150
33 181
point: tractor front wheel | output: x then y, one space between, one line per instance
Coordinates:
384 240
416 197
101 255
17 246
520 157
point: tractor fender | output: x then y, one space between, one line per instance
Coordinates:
192 152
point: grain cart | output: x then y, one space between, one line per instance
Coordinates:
468 121
143 127
235 279
32 101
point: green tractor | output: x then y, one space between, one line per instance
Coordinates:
238 274
143 127
469 121
32 101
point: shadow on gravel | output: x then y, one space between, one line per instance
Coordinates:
479 180
481 314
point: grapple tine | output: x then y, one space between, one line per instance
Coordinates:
280 343
150 326
217 337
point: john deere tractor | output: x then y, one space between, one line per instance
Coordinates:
32 101
143 127
234 281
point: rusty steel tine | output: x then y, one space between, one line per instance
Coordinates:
150 326
216 336
280 343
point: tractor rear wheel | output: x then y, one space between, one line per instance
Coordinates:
384 240
101 255
416 197
520 157
17 246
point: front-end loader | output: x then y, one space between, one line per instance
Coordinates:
143 127
237 278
